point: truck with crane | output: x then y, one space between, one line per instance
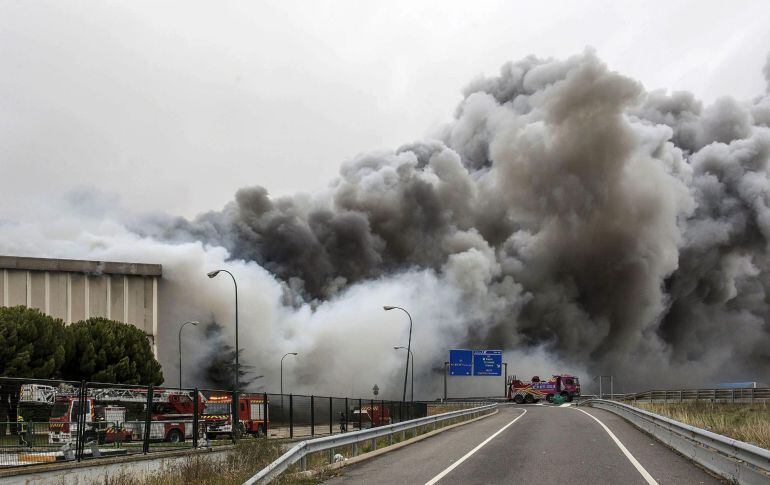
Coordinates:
567 387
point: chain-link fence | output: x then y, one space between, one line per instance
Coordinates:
48 421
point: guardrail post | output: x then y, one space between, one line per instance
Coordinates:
265 415
147 422
331 418
331 455
312 415
303 463
195 419
291 416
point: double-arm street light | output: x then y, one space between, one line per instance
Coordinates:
408 347
237 350
180 348
284 356
399 348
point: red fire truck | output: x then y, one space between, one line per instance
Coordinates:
566 386
370 416
218 412
107 420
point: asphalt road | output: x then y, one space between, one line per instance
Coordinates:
546 444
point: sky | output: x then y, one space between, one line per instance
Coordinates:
172 106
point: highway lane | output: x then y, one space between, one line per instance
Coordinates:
548 444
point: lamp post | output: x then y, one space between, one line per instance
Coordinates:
284 356
194 324
399 348
408 347
212 274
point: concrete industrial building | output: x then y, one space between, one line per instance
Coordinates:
74 290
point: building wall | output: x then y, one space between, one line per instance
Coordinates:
82 293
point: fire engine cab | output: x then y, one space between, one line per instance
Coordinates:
252 415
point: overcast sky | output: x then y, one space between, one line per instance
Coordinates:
174 105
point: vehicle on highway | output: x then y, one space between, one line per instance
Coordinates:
564 385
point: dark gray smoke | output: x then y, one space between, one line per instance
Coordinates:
619 230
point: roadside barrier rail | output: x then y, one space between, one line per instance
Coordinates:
301 450
734 460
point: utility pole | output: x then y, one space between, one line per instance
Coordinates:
446 365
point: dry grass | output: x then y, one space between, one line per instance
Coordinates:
247 458
744 422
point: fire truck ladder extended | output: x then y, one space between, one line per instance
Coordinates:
37 393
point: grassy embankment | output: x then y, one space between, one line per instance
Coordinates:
744 422
242 462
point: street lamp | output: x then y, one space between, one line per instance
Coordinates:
237 366
194 324
212 274
408 347
398 348
284 356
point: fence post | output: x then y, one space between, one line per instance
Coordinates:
291 416
360 416
147 416
236 423
196 423
346 414
312 415
265 413
81 420
331 418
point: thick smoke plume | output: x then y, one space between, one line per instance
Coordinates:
565 215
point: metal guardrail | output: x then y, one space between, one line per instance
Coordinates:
330 443
729 395
731 459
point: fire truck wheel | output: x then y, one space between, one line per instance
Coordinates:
174 436
518 399
529 399
260 431
89 436
549 398
567 397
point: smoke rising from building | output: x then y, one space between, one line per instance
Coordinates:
565 215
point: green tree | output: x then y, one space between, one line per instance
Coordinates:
220 370
31 345
102 350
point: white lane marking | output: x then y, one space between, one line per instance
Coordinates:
565 405
625 451
468 455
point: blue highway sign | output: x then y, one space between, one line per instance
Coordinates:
460 362
487 362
